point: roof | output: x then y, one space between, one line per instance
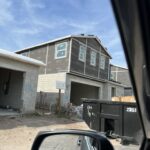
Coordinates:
12 55
119 66
65 37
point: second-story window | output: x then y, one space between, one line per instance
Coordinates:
93 58
82 53
61 50
102 61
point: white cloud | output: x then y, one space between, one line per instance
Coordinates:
5 12
25 31
83 27
111 38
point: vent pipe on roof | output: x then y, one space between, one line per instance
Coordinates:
105 48
90 35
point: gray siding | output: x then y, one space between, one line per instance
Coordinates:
84 67
46 54
91 70
76 65
104 73
57 65
39 54
93 43
120 75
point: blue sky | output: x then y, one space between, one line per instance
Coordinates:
24 23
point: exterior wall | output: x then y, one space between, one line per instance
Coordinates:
119 90
76 79
128 91
29 82
47 84
14 80
85 68
120 75
79 91
46 54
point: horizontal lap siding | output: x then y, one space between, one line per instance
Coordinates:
76 64
91 70
46 54
104 72
39 54
93 43
57 65
83 40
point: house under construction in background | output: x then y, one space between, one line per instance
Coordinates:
80 64
121 75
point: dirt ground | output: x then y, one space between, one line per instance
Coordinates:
19 132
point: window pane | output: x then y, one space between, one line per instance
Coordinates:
60 53
82 53
60 50
61 46
102 62
93 58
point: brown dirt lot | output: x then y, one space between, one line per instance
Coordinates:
19 132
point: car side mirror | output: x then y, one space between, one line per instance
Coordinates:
71 140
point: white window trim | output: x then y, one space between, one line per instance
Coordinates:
100 61
91 57
85 53
56 45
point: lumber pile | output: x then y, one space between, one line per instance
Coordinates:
130 99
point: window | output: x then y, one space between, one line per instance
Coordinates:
113 92
82 53
60 50
102 62
93 58
113 76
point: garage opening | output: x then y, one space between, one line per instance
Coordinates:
11 84
79 91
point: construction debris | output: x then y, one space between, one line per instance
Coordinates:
130 99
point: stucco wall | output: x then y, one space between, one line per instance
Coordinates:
30 78
76 79
11 83
119 90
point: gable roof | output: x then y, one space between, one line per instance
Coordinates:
12 55
119 66
65 37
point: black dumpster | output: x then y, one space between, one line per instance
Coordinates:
120 118
91 114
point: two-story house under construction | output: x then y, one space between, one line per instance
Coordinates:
80 63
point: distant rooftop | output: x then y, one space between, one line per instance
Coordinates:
119 66
12 55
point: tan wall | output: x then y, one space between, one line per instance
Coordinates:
47 82
47 85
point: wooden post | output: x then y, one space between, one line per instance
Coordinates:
59 101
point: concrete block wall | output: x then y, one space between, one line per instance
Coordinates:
30 79
73 78
14 81
47 85
119 89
